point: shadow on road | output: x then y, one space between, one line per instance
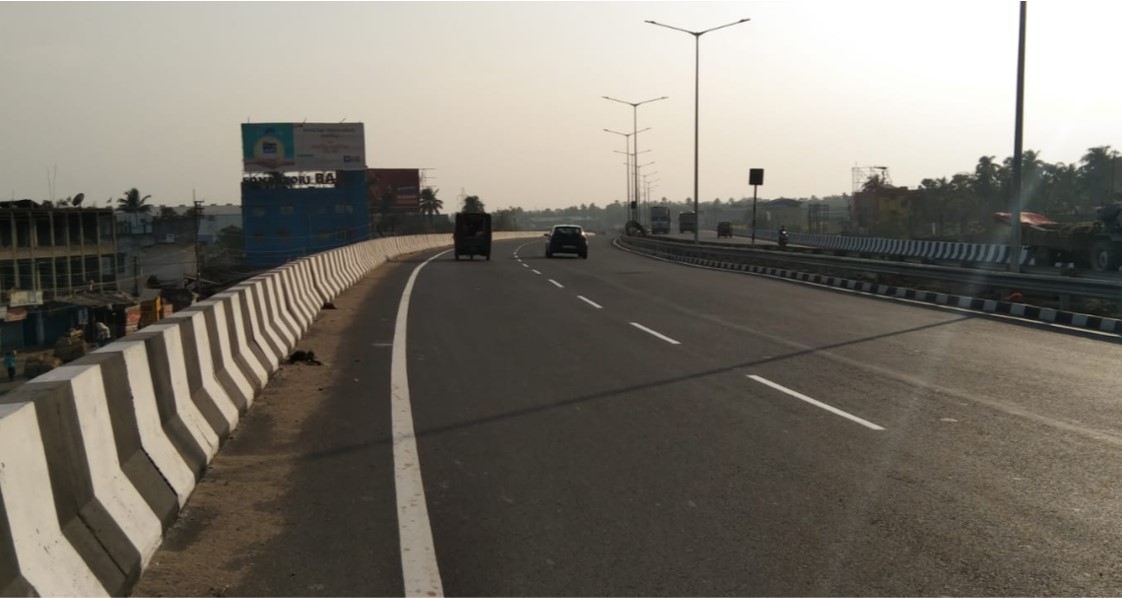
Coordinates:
607 394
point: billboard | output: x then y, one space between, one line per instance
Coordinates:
287 147
18 298
402 184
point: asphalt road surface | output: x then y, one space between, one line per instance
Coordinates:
625 426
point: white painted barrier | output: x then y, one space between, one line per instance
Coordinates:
98 457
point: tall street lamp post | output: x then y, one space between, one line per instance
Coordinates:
696 92
627 147
1018 140
635 127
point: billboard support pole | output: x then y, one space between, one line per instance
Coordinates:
755 188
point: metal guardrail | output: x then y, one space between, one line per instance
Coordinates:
1035 284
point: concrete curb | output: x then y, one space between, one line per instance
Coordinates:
98 457
989 306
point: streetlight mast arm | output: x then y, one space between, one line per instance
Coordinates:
674 28
723 26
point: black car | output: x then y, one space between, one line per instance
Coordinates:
566 238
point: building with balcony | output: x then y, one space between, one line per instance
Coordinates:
57 265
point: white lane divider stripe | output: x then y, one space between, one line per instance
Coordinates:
655 334
525 265
535 272
589 301
556 284
802 397
418 554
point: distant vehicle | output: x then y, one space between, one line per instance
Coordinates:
660 220
472 235
687 222
566 238
1097 244
724 229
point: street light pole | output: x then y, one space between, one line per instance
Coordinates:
627 141
696 105
635 145
1015 187
639 192
647 195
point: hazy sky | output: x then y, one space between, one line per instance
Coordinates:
504 100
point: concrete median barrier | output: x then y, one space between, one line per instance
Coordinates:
98 457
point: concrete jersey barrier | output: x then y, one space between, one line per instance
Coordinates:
98 457
939 250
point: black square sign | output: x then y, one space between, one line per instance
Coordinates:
755 176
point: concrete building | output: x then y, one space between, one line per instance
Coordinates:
49 256
217 217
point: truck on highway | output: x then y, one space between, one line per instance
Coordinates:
1097 243
687 222
660 220
472 235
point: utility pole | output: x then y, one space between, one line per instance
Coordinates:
1018 140
136 274
198 248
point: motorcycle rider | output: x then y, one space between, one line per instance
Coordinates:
782 236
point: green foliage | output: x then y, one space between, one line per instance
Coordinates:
430 204
232 238
133 203
472 203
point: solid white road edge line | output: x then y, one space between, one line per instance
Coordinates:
556 284
418 555
802 397
589 301
655 334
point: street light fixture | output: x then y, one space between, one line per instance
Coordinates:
639 194
647 193
696 92
635 126
627 147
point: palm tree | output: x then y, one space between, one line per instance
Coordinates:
987 183
873 183
1060 189
133 203
430 205
472 203
1095 180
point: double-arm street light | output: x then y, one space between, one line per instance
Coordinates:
647 192
696 92
635 126
627 152
639 191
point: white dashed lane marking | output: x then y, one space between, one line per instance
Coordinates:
655 334
589 301
819 404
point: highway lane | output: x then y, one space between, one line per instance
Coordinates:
917 370
565 451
